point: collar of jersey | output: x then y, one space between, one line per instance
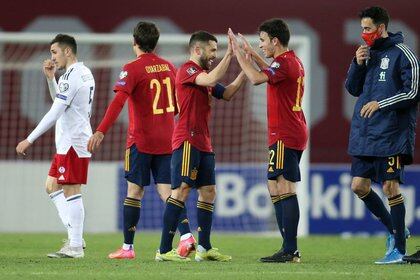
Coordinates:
74 64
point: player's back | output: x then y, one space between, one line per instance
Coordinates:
150 83
77 87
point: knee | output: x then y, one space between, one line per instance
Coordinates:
391 188
272 187
134 191
181 193
164 192
208 195
359 189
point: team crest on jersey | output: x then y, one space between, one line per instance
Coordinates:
123 74
61 169
191 70
194 173
63 87
275 65
385 63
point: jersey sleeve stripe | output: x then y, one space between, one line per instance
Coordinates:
414 80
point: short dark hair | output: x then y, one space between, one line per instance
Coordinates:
377 14
201 36
146 35
65 40
276 28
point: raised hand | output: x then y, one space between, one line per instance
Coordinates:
246 46
49 68
362 53
233 41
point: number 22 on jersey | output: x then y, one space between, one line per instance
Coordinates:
156 85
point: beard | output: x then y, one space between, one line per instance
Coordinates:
204 62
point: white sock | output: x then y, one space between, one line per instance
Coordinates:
186 236
76 218
60 203
127 246
201 249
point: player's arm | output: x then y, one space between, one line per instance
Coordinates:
234 86
246 46
210 79
49 72
63 99
111 115
256 77
408 94
50 118
123 88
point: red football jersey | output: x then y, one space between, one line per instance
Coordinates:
194 109
285 86
149 82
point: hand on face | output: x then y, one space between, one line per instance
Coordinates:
362 53
49 68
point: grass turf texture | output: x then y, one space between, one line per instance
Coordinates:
23 256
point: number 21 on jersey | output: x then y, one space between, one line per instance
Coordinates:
156 85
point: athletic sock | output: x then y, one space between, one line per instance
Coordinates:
204 220
131 216
398 221
60 203
171 215
375 205
76 219
290 221
278 209
184 224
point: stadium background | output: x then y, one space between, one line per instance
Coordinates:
333 29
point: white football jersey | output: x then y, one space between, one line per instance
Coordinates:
76 90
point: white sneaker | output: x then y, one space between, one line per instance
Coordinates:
59 253
67 242
72 252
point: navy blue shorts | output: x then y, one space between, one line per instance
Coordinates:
283 161
138 166
378 169
192 166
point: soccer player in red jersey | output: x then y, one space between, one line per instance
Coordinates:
287 131
193 159
148 83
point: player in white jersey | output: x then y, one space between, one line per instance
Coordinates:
70 112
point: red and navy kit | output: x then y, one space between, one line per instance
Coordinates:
285 87
194 103
193 160
149 84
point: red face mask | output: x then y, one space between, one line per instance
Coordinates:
370 38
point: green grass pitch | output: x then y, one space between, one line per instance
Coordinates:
23 256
